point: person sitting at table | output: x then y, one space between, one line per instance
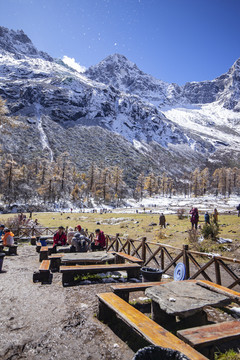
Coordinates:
70 235
99 242
60 238
80 230
1 231
7 238
80 243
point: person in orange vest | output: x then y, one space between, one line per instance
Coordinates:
7 238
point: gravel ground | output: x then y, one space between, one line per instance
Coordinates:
49 321
52 322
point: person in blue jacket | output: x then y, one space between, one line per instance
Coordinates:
207 218
2 231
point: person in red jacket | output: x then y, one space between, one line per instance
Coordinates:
99 242
60 237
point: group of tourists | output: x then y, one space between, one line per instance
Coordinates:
6 236
194 217
78 240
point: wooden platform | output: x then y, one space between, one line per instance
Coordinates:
145 327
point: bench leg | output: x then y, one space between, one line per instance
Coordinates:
161 317
67 279
123 294
207 351
103 312
55 264
119 260
43 256
198 319
12 250
45 276
133 273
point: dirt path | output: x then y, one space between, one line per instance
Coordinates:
49 321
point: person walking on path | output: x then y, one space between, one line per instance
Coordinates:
194 217
215 216
238 210
162 221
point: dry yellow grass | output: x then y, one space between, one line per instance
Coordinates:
135 226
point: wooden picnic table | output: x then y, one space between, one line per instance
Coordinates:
185 299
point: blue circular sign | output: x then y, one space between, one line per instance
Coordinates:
179 272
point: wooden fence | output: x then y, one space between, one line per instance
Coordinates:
26 231
166 257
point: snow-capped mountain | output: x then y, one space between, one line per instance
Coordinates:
115 113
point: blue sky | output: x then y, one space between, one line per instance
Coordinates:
173 40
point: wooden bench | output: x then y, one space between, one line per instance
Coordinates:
142 325
234 295
43 273
205 338
69 272
121 257
45 251
9 250
123 290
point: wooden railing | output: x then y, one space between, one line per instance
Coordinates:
166 257
26 231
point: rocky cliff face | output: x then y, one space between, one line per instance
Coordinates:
116 106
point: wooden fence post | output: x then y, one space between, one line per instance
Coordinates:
117 243
129 247
162 259
144 249
107 241
186 261
217 272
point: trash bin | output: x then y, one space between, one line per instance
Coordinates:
158 353
151 274
1 260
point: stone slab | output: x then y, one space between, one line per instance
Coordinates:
88 257
184 298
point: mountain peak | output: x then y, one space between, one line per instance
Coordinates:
118 59
19 44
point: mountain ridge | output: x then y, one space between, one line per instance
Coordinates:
160 125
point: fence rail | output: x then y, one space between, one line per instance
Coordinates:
26 231
167 256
